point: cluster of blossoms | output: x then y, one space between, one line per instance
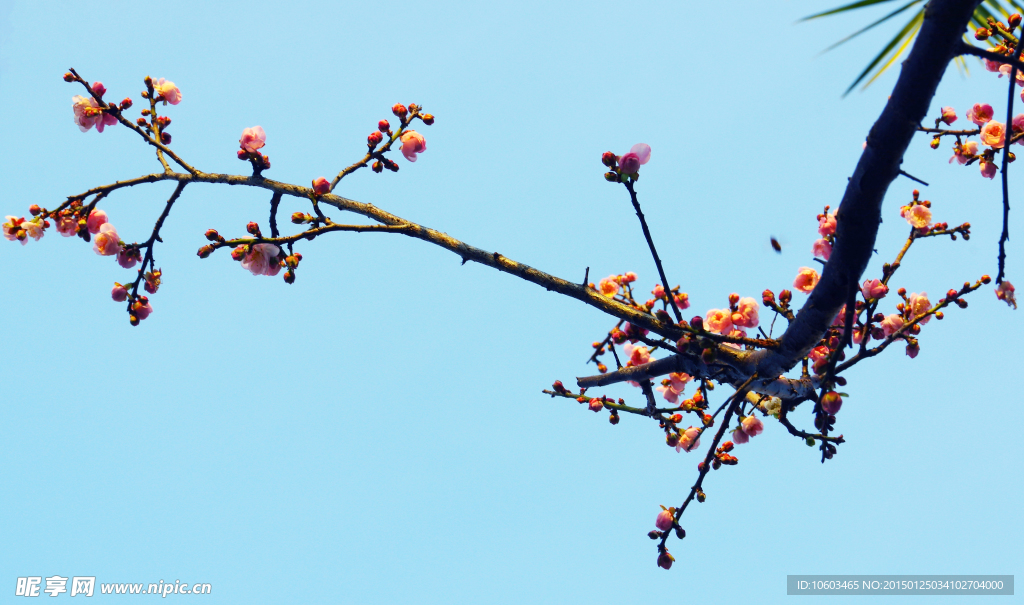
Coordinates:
741 313
990 132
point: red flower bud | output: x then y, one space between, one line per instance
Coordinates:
665 560
126 104
68 77
831 402
608 159
428 119
34 210
399 110
383 126
205 251
213 236
374 139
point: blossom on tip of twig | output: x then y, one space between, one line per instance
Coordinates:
1005 292
106 242
413 143
253 139
638 155
166 89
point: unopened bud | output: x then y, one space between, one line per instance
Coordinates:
608 159
831 402
982 34
672 439
935 143
142 122
654 534
165 138
239 252
126 104
68 77
611 177
734 298
289 277
299 218
1013 20
34 210
374 139
377 167
399 110
428 119
785 296
383 126
133 320
613 418
253 228
213 236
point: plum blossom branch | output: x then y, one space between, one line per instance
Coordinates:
116 111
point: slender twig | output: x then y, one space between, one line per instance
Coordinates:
1005 235
654 252
275 201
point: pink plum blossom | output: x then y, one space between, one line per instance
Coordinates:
11 228
638 155
664 521
752 426
822 249
67 225
919 216
141 309
33 229
689 440
119 293
1017 125
718 320
88 114
658 291
806 279
629 277
670 394
913 349
948 115
819 353
262 260
827 224
874 288
1005 291
106 242
918 305
988 169
99 88
993 134
739 437
128 257
745 315
413 143
596 405
963 153
991 65
253 138
96 220
676 386
609 286
891 324
638 356
683 301
980 113
167 90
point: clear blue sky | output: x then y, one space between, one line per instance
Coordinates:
375 433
